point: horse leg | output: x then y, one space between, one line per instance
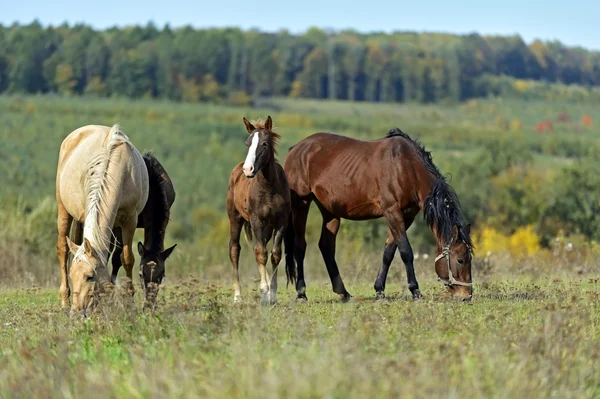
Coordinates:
127 257
329 231
388 256
261 235
300 209
64 225
397 227
117 242
235 229
276 257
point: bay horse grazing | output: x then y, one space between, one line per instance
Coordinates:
393 177
154 220
258 200
101 182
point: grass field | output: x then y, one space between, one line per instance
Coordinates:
513 340
532 329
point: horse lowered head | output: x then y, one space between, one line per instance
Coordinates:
152 270
89 277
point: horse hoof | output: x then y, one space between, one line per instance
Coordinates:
380 296
417 295
237 299
345 297
301 298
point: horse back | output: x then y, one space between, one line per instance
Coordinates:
351 178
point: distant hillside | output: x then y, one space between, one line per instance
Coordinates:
233 65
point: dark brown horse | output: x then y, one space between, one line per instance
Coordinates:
258 200
393 177
153 219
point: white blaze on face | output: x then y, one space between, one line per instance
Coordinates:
248 167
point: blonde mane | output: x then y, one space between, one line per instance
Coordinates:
96 181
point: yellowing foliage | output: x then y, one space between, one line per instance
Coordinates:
64 79
516 124
523 242
296 89
521 86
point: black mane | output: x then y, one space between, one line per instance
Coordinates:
442 208
156 213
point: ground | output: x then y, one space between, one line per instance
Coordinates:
512 340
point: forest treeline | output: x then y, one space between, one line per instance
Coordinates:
231 64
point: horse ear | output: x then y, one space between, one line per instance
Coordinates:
167 252
72 246
249 126
87 246
454 233
269 123
141 249
467 228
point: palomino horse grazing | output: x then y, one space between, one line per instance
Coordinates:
393 177
258 200
101 181
153 219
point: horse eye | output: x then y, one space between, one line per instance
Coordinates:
265 144
89 278
460 261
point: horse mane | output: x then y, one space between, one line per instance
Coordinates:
442 207
96 180
275 137
156 213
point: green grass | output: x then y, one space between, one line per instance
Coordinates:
513 340
532 330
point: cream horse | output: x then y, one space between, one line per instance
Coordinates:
101 182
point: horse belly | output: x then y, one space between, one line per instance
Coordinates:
352 204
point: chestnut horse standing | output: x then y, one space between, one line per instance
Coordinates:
258 199
392 177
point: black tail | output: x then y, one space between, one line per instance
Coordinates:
290 241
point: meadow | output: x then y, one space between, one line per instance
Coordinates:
532 328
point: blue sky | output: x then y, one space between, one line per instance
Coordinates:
574 22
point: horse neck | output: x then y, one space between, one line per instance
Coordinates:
268 173
104 198
426 182
155 219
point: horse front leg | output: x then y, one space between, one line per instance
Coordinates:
276 257
64 225
329 230
388 257
397 226
261 254
127 257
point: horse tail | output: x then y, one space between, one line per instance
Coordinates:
290 242
248 231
